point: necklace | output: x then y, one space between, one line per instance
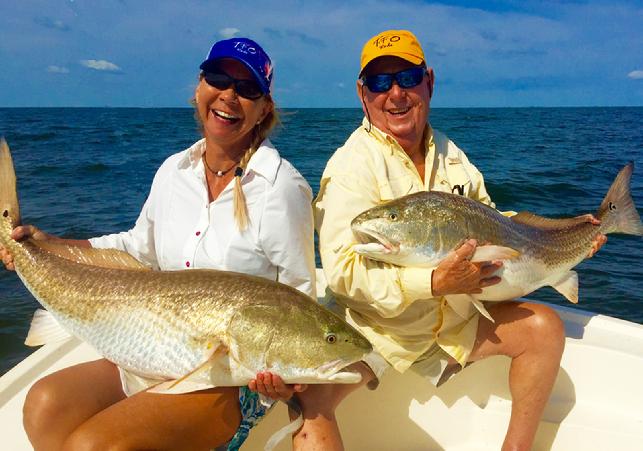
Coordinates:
218 173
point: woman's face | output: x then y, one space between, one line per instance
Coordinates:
227 118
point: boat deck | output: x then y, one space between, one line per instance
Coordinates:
597 402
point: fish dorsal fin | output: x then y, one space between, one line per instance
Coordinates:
567 285
193 380
531 219
104 258
45 329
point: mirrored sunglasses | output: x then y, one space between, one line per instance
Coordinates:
407 78
248 89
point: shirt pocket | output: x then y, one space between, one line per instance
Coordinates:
392 188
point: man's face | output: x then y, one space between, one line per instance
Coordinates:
400 112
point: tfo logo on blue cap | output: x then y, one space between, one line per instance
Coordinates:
246 51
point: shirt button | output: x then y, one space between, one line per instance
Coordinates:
198 233
187 264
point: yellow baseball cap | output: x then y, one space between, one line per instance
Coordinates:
400 43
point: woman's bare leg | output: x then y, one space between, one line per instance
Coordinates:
534 337
191 421
83 407
57 404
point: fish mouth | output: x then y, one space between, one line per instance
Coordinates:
332 371
365 236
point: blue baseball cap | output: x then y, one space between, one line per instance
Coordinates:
248 52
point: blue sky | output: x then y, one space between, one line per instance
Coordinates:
496 53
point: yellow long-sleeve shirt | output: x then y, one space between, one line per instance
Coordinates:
392 306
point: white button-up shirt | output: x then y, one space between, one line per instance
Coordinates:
178 228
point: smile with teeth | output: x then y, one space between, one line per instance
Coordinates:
399 111
224 115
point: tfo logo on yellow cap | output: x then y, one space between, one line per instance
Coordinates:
400 43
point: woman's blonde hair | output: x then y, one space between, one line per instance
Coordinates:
260 132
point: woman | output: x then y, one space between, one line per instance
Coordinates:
228 202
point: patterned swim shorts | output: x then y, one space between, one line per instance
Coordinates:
253 408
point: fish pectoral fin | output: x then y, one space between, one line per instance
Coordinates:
45 329
461 305
567 285
490 252
187 386
133 383
195 379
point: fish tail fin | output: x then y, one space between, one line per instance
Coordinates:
617 212
9 209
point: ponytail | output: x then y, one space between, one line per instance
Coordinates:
260 133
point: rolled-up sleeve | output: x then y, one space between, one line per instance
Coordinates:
139 240
287 231
387 288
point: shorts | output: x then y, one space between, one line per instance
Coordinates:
253 408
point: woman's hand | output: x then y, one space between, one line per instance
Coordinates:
273 387
21 233
456 274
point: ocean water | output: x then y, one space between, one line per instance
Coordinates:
83 172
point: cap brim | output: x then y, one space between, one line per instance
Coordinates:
210 64
413 59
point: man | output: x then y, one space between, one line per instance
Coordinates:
402 310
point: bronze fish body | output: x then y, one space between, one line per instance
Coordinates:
420 229
193 329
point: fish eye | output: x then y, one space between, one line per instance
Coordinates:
331 338
393 217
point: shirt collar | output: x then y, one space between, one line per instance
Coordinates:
390 142
265 162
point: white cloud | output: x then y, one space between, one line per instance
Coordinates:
57 70
636 74
100 65
229 32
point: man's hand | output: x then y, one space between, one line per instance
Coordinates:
456 274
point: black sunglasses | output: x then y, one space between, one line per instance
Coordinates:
248 89
407 78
